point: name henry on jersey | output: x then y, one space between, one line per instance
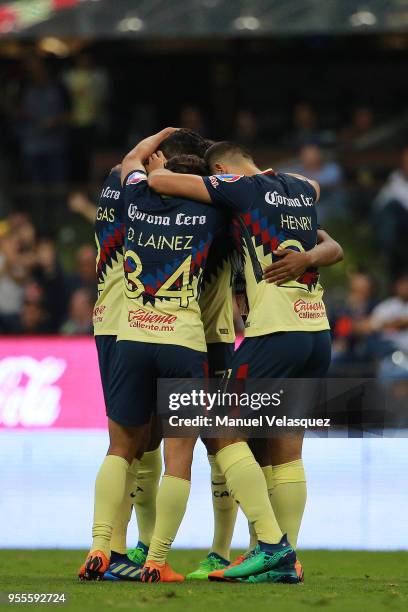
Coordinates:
296 223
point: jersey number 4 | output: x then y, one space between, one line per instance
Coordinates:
177 286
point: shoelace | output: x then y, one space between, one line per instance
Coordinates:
251 553
138 555
209 563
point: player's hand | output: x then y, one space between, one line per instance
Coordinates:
78 202
290 265
157 161
149 145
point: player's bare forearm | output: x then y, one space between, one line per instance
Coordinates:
291 264
89 213
79 203
182 185
135 159
327 252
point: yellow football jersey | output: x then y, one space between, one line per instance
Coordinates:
216 291
109 237
274 211
296 306
166 246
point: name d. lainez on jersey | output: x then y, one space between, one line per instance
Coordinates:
166 246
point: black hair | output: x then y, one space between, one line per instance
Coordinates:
220 149
187 164
184 142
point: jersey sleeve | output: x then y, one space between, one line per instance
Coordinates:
135 185
310 190
232 190
135 177
138 195
298 184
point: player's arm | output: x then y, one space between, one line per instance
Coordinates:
291 264
135 159
170 183
311 182
80 204
237 193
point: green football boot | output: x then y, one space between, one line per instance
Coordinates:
211 563
265 557
138 555
286 575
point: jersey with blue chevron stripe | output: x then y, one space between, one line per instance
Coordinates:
166 246
274 211
109 237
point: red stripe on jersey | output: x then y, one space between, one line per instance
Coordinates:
242 371
206 370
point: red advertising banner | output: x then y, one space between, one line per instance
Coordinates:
50 382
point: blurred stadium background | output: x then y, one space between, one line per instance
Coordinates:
316 87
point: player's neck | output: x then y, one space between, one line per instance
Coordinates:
248 169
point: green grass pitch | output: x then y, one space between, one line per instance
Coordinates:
335 581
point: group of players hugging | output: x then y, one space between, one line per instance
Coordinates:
173 221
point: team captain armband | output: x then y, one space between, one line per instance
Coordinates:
136 177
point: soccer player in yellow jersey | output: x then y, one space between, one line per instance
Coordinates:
109 232
216 302
216 307
287 328
217 313
160 335
141 493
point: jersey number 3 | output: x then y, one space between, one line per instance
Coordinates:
177 286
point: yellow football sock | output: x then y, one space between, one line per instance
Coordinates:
288 497
120 526
110 487
171 505
147 484
225 511
247 484
268 473
253 540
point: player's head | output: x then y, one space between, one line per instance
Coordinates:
230 158
184 142
187 164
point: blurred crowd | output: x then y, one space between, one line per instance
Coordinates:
37 295
58 125
370 335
